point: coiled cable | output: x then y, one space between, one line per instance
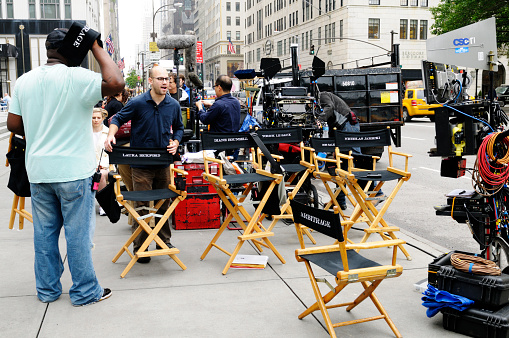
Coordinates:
491 171
475 265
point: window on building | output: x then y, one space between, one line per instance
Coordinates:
413 29
404 3
31 9
414 2
50 9
403 28
237 7
237 35
326 34
319 36
373 28
424 3
340 28
228 6
10 10
279 48
333 25
228 35
258 54
228 21
237 21
67 4
374 2
423 31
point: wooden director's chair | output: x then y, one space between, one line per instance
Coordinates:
253 230
16 152
344 263
324 170
359 181
147 157
294 170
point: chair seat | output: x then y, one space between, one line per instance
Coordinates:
331 261
293 167
246 178
376 175
149 195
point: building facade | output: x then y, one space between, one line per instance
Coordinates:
343 33
26 23
219 25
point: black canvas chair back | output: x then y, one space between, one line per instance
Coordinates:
323 145
140 156
226 141
280 135
323 221
363 139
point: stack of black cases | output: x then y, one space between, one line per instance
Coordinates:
489 317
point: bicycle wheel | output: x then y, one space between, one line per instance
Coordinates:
312 196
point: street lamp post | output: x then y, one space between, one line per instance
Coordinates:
173 10
142 67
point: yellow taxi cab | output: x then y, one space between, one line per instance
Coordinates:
414 105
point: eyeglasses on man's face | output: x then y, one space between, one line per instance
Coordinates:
162 79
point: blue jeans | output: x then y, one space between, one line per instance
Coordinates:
71 205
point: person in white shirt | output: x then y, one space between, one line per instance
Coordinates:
100 135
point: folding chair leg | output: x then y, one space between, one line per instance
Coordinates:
384 313
15 201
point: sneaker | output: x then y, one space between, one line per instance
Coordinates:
170 246
101 212
106 294
144 260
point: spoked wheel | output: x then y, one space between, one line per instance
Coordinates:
500 251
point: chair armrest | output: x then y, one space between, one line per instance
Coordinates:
372 245
180 171
211 159
400 154
316 250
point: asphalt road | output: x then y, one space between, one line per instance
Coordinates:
412 209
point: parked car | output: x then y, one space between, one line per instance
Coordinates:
503 94
414 105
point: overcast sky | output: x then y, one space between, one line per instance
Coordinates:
130 28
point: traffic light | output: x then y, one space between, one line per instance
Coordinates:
312 50
181 58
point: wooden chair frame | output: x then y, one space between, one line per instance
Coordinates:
252 231
18 202
295 135
365 197
143 222
370 277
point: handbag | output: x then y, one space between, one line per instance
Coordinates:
124 131
18 178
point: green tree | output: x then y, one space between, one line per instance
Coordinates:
453 14
132 79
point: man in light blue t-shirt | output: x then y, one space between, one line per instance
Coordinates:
52 107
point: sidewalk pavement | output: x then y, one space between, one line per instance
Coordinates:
160 300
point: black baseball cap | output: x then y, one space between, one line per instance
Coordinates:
55 38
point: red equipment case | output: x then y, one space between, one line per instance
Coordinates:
201 208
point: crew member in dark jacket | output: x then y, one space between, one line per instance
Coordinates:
223 115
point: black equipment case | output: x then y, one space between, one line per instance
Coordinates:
486 291
477 322
444 259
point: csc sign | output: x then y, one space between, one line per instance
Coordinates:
463 41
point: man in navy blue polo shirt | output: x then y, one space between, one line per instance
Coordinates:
156 122
224 115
